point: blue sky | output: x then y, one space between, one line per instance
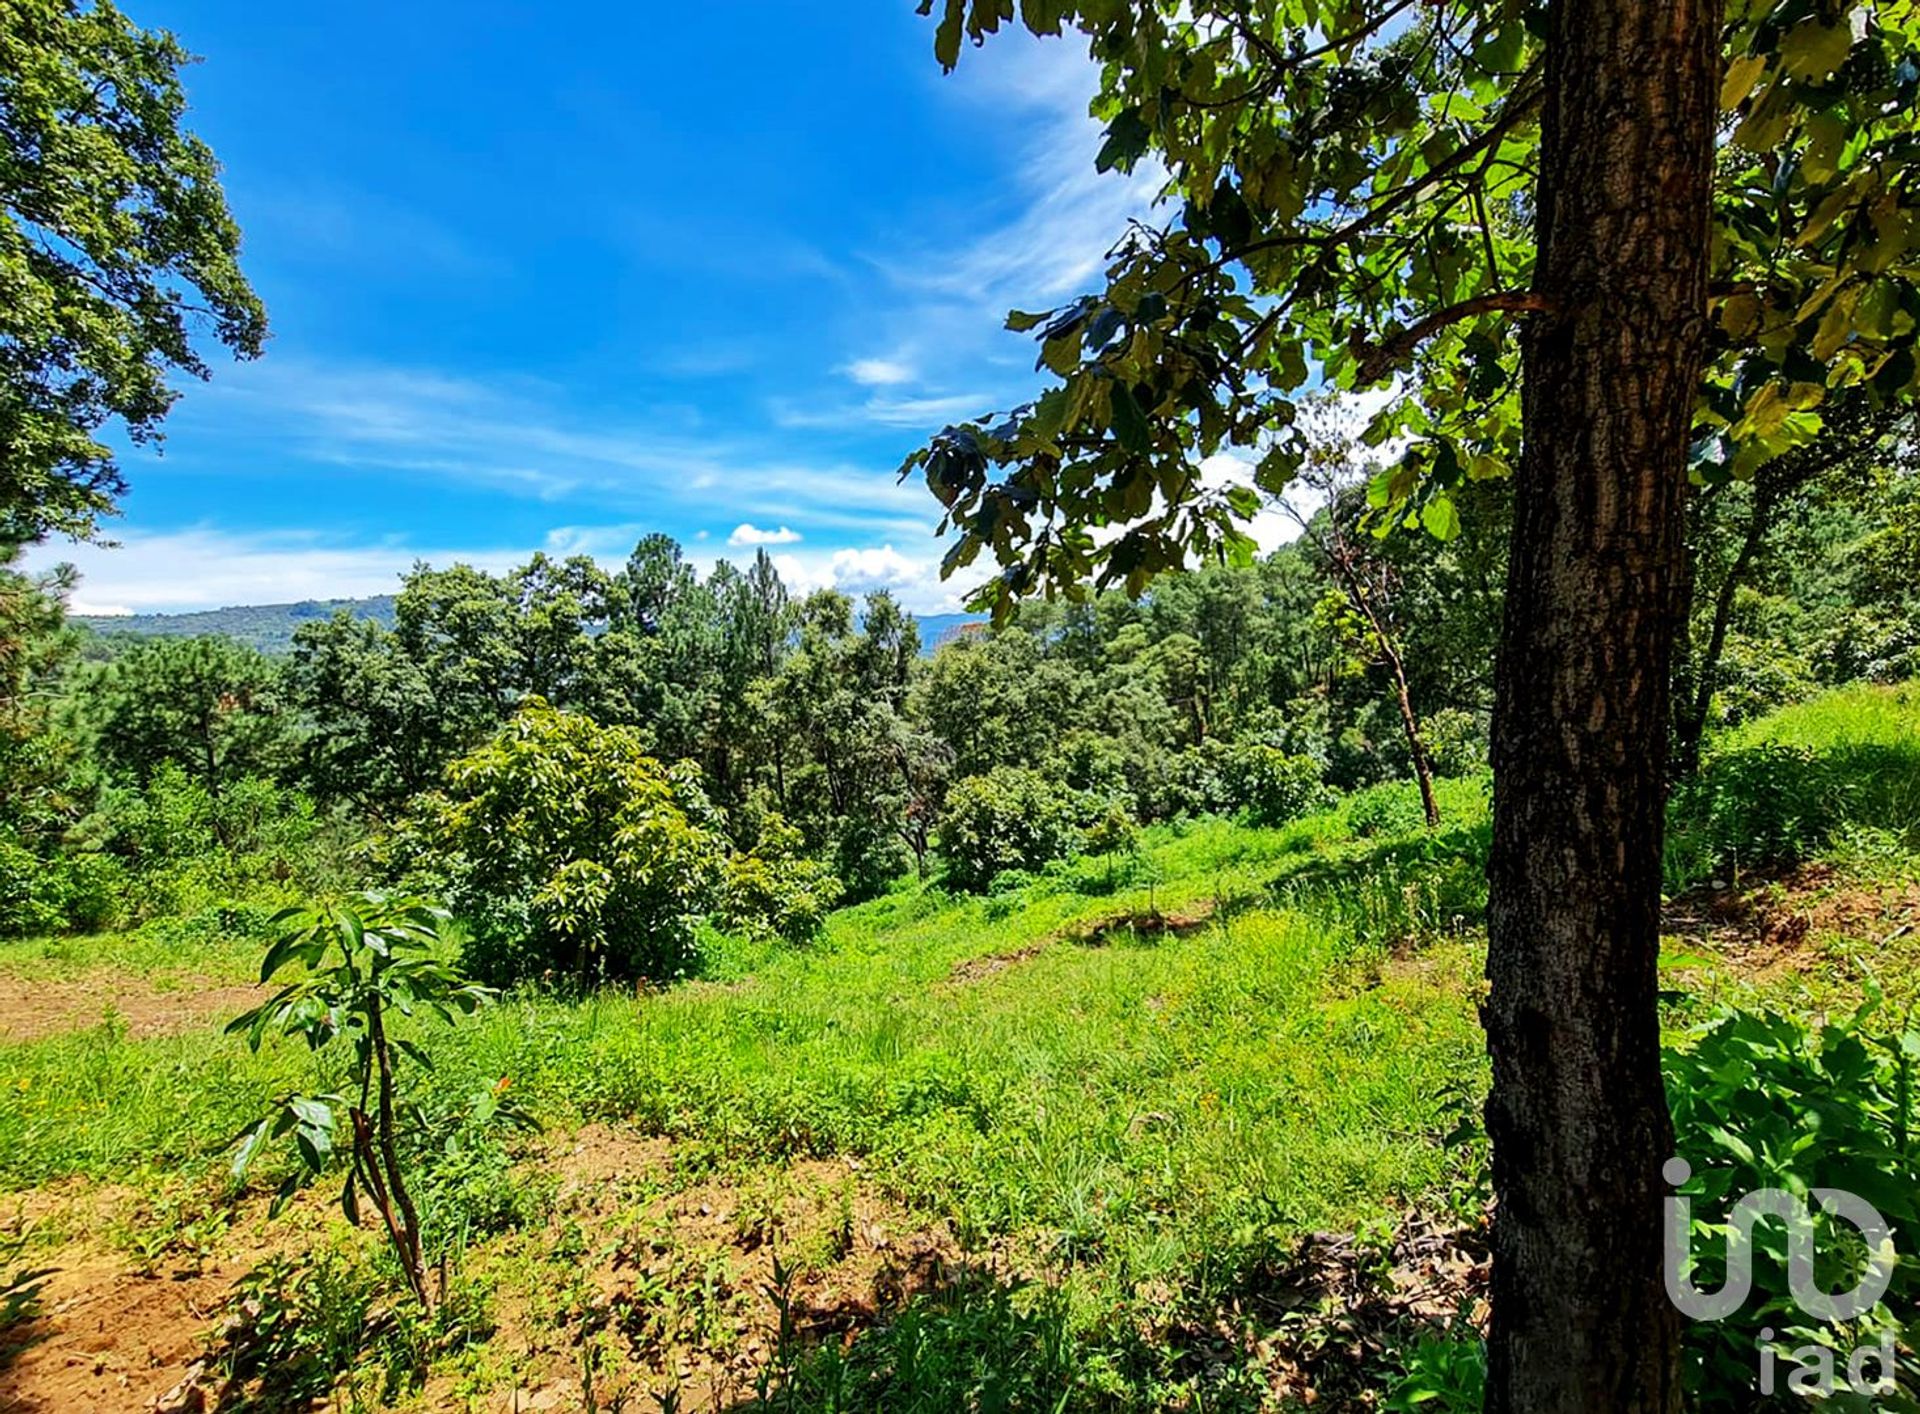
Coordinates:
547 278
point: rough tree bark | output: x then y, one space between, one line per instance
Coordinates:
1578 1118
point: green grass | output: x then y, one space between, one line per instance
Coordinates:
1114 1108
1839 775
164 957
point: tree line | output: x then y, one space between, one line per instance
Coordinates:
814 729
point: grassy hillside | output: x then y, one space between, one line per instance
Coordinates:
1181 1131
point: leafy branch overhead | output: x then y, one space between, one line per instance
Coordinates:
116 249
1350 204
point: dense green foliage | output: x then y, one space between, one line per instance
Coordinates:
829 754
115 241
573 852
1352 188
1154 1122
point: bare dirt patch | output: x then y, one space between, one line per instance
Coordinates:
32 1008
1099 932
644 1276
685 1284
109 1338
1779 927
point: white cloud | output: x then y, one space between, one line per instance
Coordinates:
879 372
752 535
1056 219
520 436
923 414
863 571
912 580
206 568
175 571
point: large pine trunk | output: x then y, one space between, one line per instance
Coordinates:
1577 1115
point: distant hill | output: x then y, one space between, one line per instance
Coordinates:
936 629
269 627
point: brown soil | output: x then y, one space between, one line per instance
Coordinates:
847 1257
673 1276
109 1338
32 1008
1779 927
1093 933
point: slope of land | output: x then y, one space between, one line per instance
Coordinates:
1177 1132
268 627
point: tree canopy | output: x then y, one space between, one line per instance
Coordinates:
1350 204
116 247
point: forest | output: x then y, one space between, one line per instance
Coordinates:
1456 953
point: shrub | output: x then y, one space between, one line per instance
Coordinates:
1390 808
1198 780
1010 818
1271 786
1456 742
1764 803
180 847
1764 1101
571 850
1756 676
776 891
29 899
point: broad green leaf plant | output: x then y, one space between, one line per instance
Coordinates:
365 960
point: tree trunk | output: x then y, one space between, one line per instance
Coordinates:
1691 724
1578 1116
1416 745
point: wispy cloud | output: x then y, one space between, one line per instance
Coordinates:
331 224
879 372
523 437
204 568
920 413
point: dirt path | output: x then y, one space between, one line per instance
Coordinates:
32 1008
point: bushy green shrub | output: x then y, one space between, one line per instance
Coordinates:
29 903
1272 787
1390 808
570 850
1757 675
1010 818
182 847
1762 804
69 892
1198 781
1784 788
776 890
